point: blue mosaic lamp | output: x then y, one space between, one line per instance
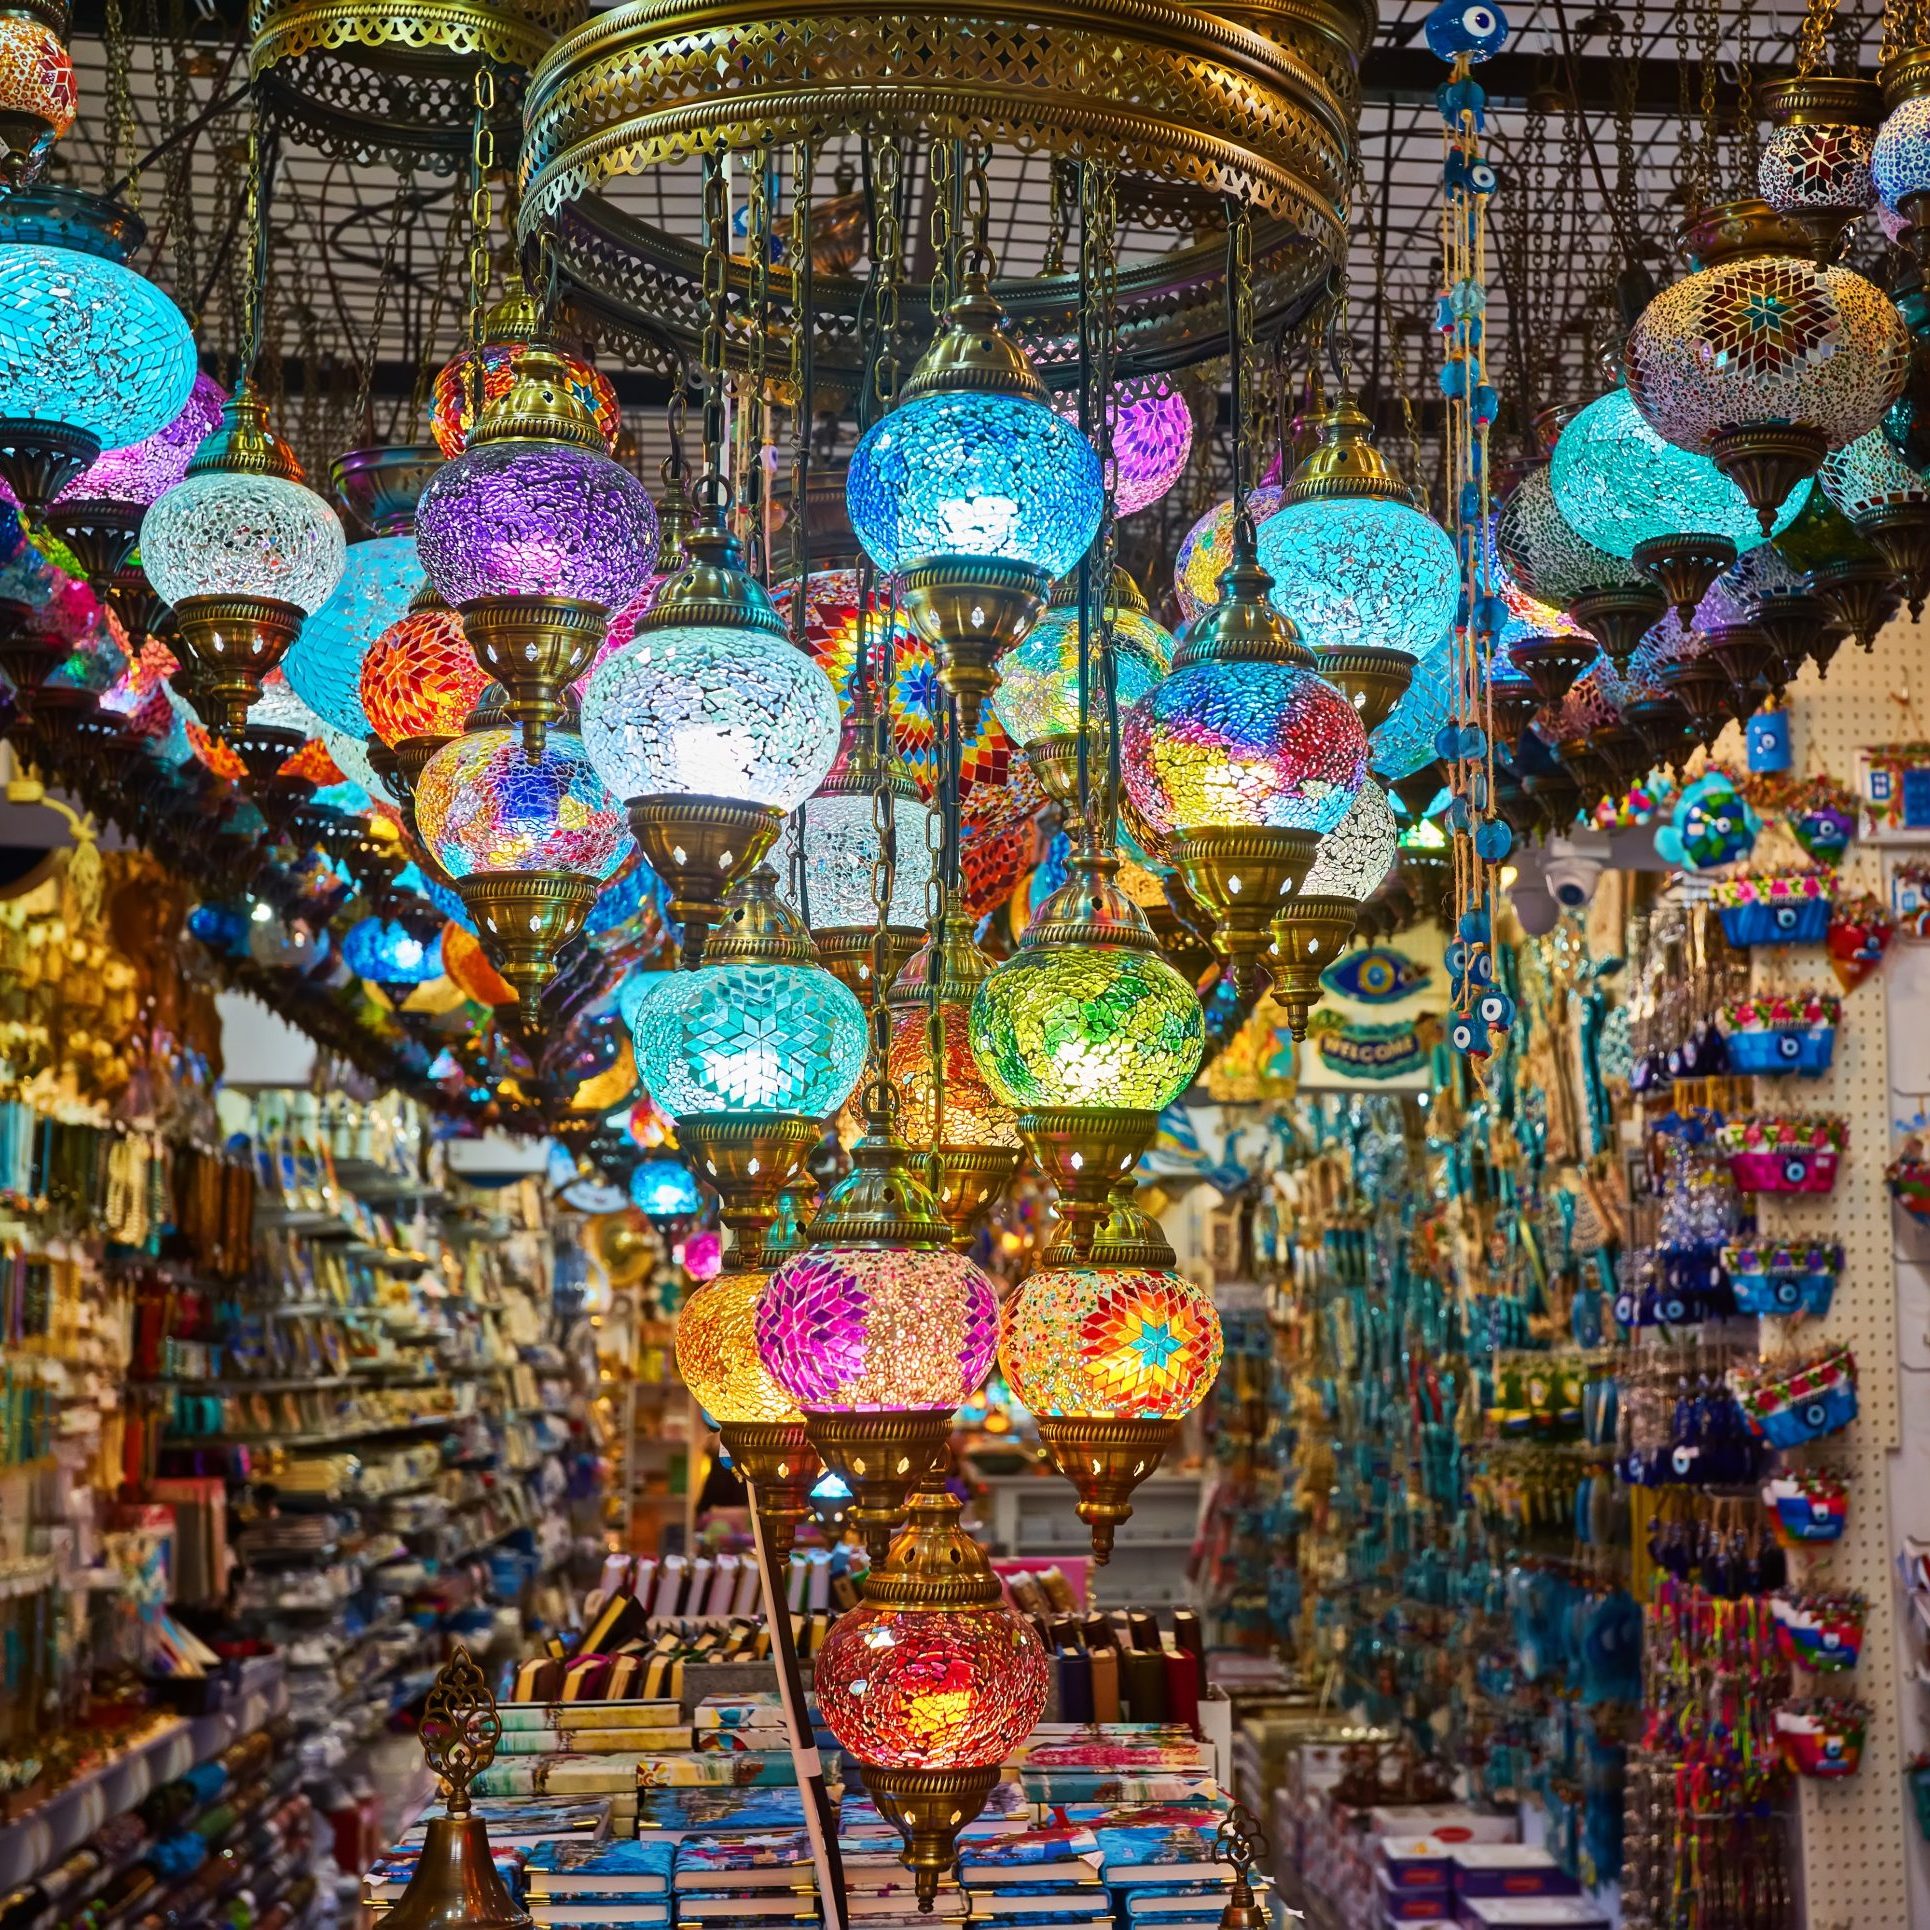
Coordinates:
1888 502
1366 578
392 952
1671 512
663 1189
324 663
749 1052
92 356
1900 158
977 493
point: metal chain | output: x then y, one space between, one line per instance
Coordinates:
482 215
798 260
255 224
1709 53
713 488
757 425
1239 296
119 112
1099 259
364 414
1686 146
1811 36
887 253
979 254
1063 191
939 158
426 361
1748 135
177 173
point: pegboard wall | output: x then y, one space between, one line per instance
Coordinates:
1863 1864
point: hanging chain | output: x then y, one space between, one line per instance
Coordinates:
255 224
803 371
939 158
1063 189
1623 74
119 113
177 173
1748 135
1099 257
1708 51
364 414
1239 304
1686 145
1812 35
482 216
713 486
978 211
757 438
426 360
887 252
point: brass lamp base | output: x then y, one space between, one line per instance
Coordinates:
1858 597
928 1808
1702 687
1901 534
1683 568
779 1466
1553 664
535 647
525 919
1744 654
1373 676
228 646
1085 1151
1515 704
1243 877
1766 460
750 1158
700 847
1055 763
1791 621
1307 938
1105 1460
1622 749
1665 728
846 954
881 1458
28 658
39 459
967 1181
101 536
411 758
1617 619
971 609
1590 770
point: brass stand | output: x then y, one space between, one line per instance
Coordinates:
535 647
1105 1460
972 609
1373 677
779 1466
1858 597
1683 567
526 918
1618 619
1554 664
881 1458
700 847
228 645
966 1181
1766 460
101 536
1308 937
1242 876
928 1808
750 1158
1085 1151
39 459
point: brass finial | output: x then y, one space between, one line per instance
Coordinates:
976 351
1241 1842
244 444
1346 464
540 405
714 588
1244 626
460 1727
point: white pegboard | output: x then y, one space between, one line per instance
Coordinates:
1863 1865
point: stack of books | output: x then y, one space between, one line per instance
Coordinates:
755 1881
518 1830
586 1886
1047 1876
1163 1867
1111 1763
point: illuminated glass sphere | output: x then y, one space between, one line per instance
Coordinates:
324 663
88 343
1359 852
1767 338
840 847
392 952
351 755
663 1189
1362 570
1868 474
860 1329
1900 157
1817 165
1152 435
712 710
717 1344
1223 743
927 1688
141 692
1038 693
958 473
1207 548
145 471
226 533
36 76
1545 553
451 418
1736 595
468 966
1618 484
746 1037
1115 1343
529 518
484 804
420 678
974 1114
1087 1025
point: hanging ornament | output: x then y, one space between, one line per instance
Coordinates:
37 93
1815 165
1311 933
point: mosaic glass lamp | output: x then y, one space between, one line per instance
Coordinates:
1207 548
1152 436
1240 760
1086 1032
1889 504
527 840
762 1430
380 578
711 726
92 356
393 952
1321 917
976 494
749 1053
1673 513
1110 1357
1814 168
930 1683
536 537
1357 569
419 683
37 93
1763 359
245 551
97 516
1607 595
1900 156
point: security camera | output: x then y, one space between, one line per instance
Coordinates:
1573 868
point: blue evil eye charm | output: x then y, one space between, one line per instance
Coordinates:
1496 1010
1480 967
1493 841
1485 404
1768 737
1459 817
1456 958
1378 975
1491 614
1460 99
1443 315
1471 175
1468 1035
1454 379
1467 298
1471 27
1473 926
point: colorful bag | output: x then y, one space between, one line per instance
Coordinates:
1776 1154
1821 1736
1787 1407
1817 1632
1776 908
1807 1507
1783 1281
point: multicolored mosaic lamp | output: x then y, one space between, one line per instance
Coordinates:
1900 156
711 726
244 550
37 93
930 1683
761 1428
1241 760
1152 436
1762 359
536 537
976 494
1087 1033
749 1053
1888 503
1320 918
527 840
419 683
1110 1356
92 356
381 578
1814 168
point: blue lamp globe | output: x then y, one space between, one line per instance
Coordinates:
324 663
1354 563
977 492
92 356
1900 159
391 951
1403 743
663 1189
760 1028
